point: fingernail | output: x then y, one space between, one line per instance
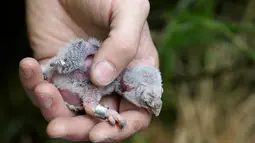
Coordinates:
45 100
26 72
104 72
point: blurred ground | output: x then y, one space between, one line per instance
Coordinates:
207 57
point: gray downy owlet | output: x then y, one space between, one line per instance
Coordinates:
69 72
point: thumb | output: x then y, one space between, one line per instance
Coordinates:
117 51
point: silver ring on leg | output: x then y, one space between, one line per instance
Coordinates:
100 111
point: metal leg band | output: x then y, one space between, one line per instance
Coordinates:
100 111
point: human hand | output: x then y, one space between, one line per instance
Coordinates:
123 29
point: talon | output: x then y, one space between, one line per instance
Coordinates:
123 124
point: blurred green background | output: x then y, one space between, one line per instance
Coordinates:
206 50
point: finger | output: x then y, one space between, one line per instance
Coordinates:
136 118
51 102
147 53
117 51
30 76
71 128
78 128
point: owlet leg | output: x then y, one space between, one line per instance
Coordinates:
98 110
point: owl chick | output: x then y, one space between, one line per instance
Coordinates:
69 72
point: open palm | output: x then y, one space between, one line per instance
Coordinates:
122 26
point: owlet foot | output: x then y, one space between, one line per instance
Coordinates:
111 115
114 117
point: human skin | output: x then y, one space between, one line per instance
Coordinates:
69 69
122 26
